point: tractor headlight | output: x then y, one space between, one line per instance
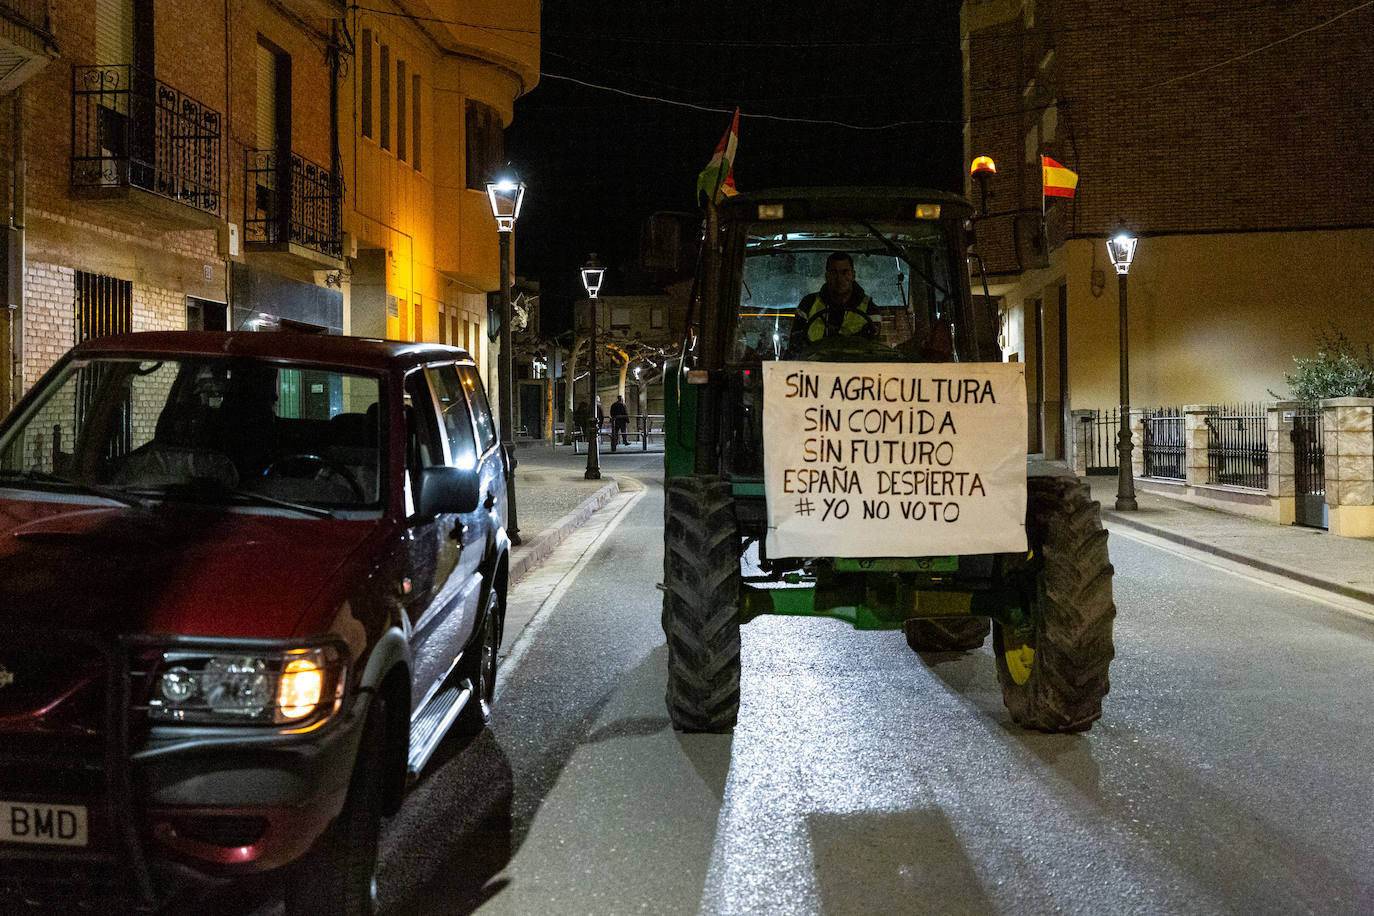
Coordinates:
280 687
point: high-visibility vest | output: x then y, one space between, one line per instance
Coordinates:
852 323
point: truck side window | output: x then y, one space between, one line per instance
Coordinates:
423 449
481 410
453 408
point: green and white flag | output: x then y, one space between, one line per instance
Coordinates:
717 180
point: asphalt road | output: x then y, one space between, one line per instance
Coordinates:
1232 771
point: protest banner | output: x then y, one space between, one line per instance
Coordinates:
894 459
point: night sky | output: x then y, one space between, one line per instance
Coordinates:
597 162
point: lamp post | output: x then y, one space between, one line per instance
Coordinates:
506 195
591 282
1121 248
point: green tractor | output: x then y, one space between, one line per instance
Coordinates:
861 454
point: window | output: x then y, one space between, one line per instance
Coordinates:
104 305
453 408
415 121
422 435
655 316
620 317
481 410
365 81
485 144
385 125
401 110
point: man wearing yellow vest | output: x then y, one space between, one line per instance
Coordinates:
839 308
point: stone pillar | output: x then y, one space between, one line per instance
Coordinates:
1195 440
1348 440
1137 442
1082 442
1278 438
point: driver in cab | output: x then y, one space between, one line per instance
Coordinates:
840 308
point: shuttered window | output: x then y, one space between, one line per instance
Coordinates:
267 98
385 98
401 110
415 121
114 32
485 143
365 81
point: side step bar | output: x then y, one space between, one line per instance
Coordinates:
428 725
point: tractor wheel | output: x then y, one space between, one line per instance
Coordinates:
337 876
946 634
1053 671
701 579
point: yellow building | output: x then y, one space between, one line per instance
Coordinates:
431 93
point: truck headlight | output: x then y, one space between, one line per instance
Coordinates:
216 687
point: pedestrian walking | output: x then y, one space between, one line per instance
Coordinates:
620 421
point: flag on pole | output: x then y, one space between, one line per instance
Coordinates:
717 180
1058 181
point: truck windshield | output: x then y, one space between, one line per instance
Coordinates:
201 429
893 284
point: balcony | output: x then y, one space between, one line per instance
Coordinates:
292 210
26 43
142 144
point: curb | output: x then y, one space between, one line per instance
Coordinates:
532 553
1287 572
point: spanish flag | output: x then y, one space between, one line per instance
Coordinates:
1059 181
717 180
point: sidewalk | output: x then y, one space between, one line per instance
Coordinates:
553 497
1344 566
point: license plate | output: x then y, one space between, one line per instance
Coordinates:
34 822
897 564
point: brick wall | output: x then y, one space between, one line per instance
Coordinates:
49 316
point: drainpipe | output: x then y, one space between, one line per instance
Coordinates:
14 295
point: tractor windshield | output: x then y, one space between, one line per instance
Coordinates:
893 289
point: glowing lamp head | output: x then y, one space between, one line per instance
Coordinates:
506 195
982 166
1121 249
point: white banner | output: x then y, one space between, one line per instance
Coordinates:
894 459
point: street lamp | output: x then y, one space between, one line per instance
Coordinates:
1121 248
506 195
591 282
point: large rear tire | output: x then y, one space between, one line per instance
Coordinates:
1053 672
946 634
338 876
478 666
701 578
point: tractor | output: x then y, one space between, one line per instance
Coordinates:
866 460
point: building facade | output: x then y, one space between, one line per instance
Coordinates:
1226 137
263 164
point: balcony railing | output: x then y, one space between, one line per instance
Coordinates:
300 204
130 130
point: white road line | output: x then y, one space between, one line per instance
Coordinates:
1351 606
545 586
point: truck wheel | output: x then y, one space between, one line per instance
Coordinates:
479 667
701 603
946 634
338 876
1053 671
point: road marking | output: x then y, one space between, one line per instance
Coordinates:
1351 606
544 586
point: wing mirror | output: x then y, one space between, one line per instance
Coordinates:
448 491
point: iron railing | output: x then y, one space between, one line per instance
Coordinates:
1165 445
1309 451
299 202
1237 453
132 130
1100 430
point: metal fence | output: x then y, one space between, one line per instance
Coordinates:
1100 430
1165 445
1237 454
297 201
1309 466
132 130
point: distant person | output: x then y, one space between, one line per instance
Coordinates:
840 308
620 421
582 416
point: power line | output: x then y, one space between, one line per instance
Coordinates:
1252 52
